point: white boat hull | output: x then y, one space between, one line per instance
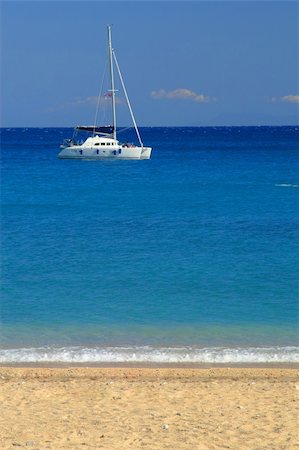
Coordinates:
83 152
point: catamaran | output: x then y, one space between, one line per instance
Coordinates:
102 141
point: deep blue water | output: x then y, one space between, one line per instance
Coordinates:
194 249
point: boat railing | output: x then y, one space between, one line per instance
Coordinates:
68 143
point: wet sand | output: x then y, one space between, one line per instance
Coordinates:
149 408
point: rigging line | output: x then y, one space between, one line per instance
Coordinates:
99 99
127 98
123 129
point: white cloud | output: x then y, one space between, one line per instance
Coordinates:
181 94
286 99
78 102
290 98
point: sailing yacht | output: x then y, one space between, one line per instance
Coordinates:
102 141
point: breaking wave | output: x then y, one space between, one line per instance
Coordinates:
146 354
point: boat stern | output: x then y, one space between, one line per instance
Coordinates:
146 153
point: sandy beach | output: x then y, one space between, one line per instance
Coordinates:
137 408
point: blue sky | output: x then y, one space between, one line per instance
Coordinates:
184 63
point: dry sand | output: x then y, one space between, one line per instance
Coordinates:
114 408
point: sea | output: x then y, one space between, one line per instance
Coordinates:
190 257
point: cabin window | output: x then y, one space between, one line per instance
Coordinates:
102 143
97 143
108 143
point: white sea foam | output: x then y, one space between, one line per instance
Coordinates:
150 355
287 185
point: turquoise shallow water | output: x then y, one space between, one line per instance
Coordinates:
191 256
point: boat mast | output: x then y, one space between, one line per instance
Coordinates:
112 82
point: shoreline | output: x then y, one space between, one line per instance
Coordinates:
148 356
149 365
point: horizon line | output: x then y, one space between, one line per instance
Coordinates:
159 126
